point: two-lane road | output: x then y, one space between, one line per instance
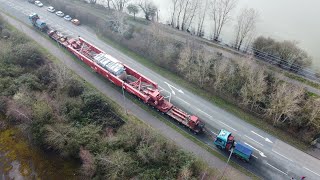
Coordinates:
273 159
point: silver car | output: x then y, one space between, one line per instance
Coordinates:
59 13
51 9
38 3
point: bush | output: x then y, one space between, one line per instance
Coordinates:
28 80
3 104
75 88
288 53
26 55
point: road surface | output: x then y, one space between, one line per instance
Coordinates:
273 159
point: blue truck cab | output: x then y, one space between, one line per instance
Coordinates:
37 22
225 141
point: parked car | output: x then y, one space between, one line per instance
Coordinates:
59 13
67 17
51 9
31 1
38 3
75 22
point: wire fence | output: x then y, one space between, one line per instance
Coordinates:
285 64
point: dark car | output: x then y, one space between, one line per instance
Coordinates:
31 1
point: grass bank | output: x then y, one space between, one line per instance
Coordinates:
303 80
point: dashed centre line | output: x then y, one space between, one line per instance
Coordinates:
312 171
282 155
253 140
204 112
227 125
276 168
182 100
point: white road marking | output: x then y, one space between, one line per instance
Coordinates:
214 133
172 87
260 152
227 125
204 112
312 171
276 169
266 139
183 101
253 140
282 155
254 156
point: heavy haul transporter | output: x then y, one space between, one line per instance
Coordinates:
123 76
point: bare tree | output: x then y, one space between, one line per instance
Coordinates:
255 86
149 9
183 13
284 102
189 14
108 3
203 65
221 74
246 23
202 11
180 9
184 61
221 10
195 63
120 4
313 116
175 7
119 24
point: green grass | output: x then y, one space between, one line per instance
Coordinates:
303 80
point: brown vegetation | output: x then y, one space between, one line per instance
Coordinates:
289 55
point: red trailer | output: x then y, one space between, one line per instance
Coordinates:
126 77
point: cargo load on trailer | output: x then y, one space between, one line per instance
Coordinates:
110 64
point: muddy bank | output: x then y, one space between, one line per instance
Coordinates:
20 160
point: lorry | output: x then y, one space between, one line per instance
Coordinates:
37 22
226 141
121 75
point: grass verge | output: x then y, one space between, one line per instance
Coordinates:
220 102
303 80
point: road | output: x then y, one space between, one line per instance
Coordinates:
273 159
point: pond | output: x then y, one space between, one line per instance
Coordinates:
21 160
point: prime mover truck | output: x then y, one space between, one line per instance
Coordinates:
225 141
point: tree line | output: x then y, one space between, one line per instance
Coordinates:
239 81
193 15
60 113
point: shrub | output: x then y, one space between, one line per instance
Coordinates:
75 88
3 104
27 55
